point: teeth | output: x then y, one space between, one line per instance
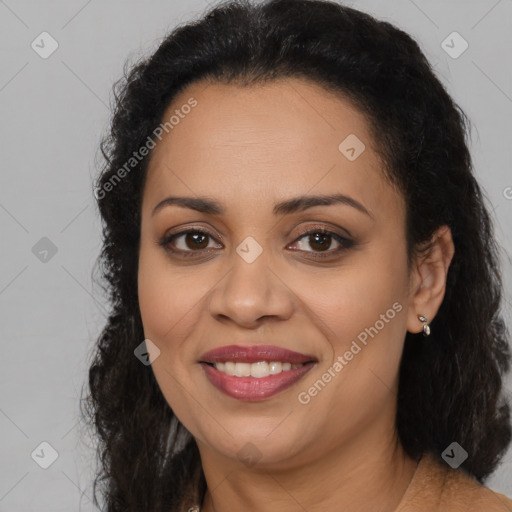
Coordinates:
243 370
258 370
275 367
229 368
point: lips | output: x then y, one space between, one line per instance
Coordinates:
254 354
252 388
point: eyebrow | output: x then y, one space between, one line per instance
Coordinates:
295 204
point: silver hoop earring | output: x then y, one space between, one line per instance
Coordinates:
426 325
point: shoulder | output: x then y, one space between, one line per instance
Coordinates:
463 492
437 487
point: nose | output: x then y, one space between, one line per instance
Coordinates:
251 293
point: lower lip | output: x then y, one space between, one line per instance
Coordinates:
252 388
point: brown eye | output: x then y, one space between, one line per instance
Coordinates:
196 240
320 242
188 241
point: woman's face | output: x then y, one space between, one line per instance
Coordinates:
339 299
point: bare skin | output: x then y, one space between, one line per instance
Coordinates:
249 148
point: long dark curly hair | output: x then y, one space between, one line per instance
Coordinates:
450 385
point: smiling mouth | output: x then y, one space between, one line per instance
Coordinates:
257 370
254 372
251 388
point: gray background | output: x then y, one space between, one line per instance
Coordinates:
53 113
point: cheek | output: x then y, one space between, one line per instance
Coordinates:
364 310
154 298
361 294
172 303
169 307
363 314
165 297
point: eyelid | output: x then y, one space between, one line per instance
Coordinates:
324 228
183 230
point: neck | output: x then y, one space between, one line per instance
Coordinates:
365 474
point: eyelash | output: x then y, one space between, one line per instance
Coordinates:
345 243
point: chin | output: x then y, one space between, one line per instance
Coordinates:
255 446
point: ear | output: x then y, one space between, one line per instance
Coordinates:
428 279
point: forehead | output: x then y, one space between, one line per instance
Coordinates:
279 139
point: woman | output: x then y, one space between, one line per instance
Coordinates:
303 276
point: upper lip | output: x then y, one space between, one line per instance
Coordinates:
253 354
